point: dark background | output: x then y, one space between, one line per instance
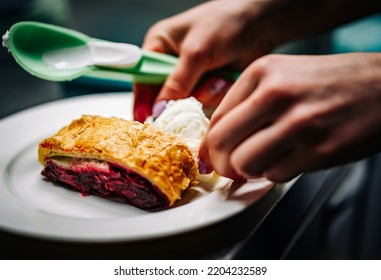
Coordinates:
342 223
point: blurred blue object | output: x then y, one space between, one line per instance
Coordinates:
360 36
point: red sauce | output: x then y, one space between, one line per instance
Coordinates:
116 183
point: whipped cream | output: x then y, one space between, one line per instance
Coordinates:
186 119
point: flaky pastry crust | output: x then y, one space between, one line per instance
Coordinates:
162 158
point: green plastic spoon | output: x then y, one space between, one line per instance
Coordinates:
60 54
37 47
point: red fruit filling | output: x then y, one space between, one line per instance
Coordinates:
116 182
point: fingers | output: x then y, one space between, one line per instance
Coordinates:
246 135
171 36
225 135
235 142
156 40
163 37
204 158
259 152
211 91
159 40
287 168
184 78
238 92
168 36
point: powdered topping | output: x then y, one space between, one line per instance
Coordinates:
5 42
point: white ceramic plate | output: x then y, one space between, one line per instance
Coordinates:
33 206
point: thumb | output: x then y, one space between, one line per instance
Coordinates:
183 80
204 162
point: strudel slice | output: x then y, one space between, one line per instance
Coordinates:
112 157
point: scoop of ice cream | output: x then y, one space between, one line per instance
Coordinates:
186 119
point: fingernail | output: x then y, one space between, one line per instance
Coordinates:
158 108
202 169
220 85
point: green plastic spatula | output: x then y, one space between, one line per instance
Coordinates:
60 54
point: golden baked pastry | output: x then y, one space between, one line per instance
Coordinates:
113 157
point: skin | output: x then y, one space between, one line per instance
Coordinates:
301 113
285 114
197 38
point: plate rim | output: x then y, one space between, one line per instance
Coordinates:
97 97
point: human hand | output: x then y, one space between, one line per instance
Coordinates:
290 114
207 37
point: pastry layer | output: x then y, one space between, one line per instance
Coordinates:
159 157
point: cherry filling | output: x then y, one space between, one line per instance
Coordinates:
116 182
